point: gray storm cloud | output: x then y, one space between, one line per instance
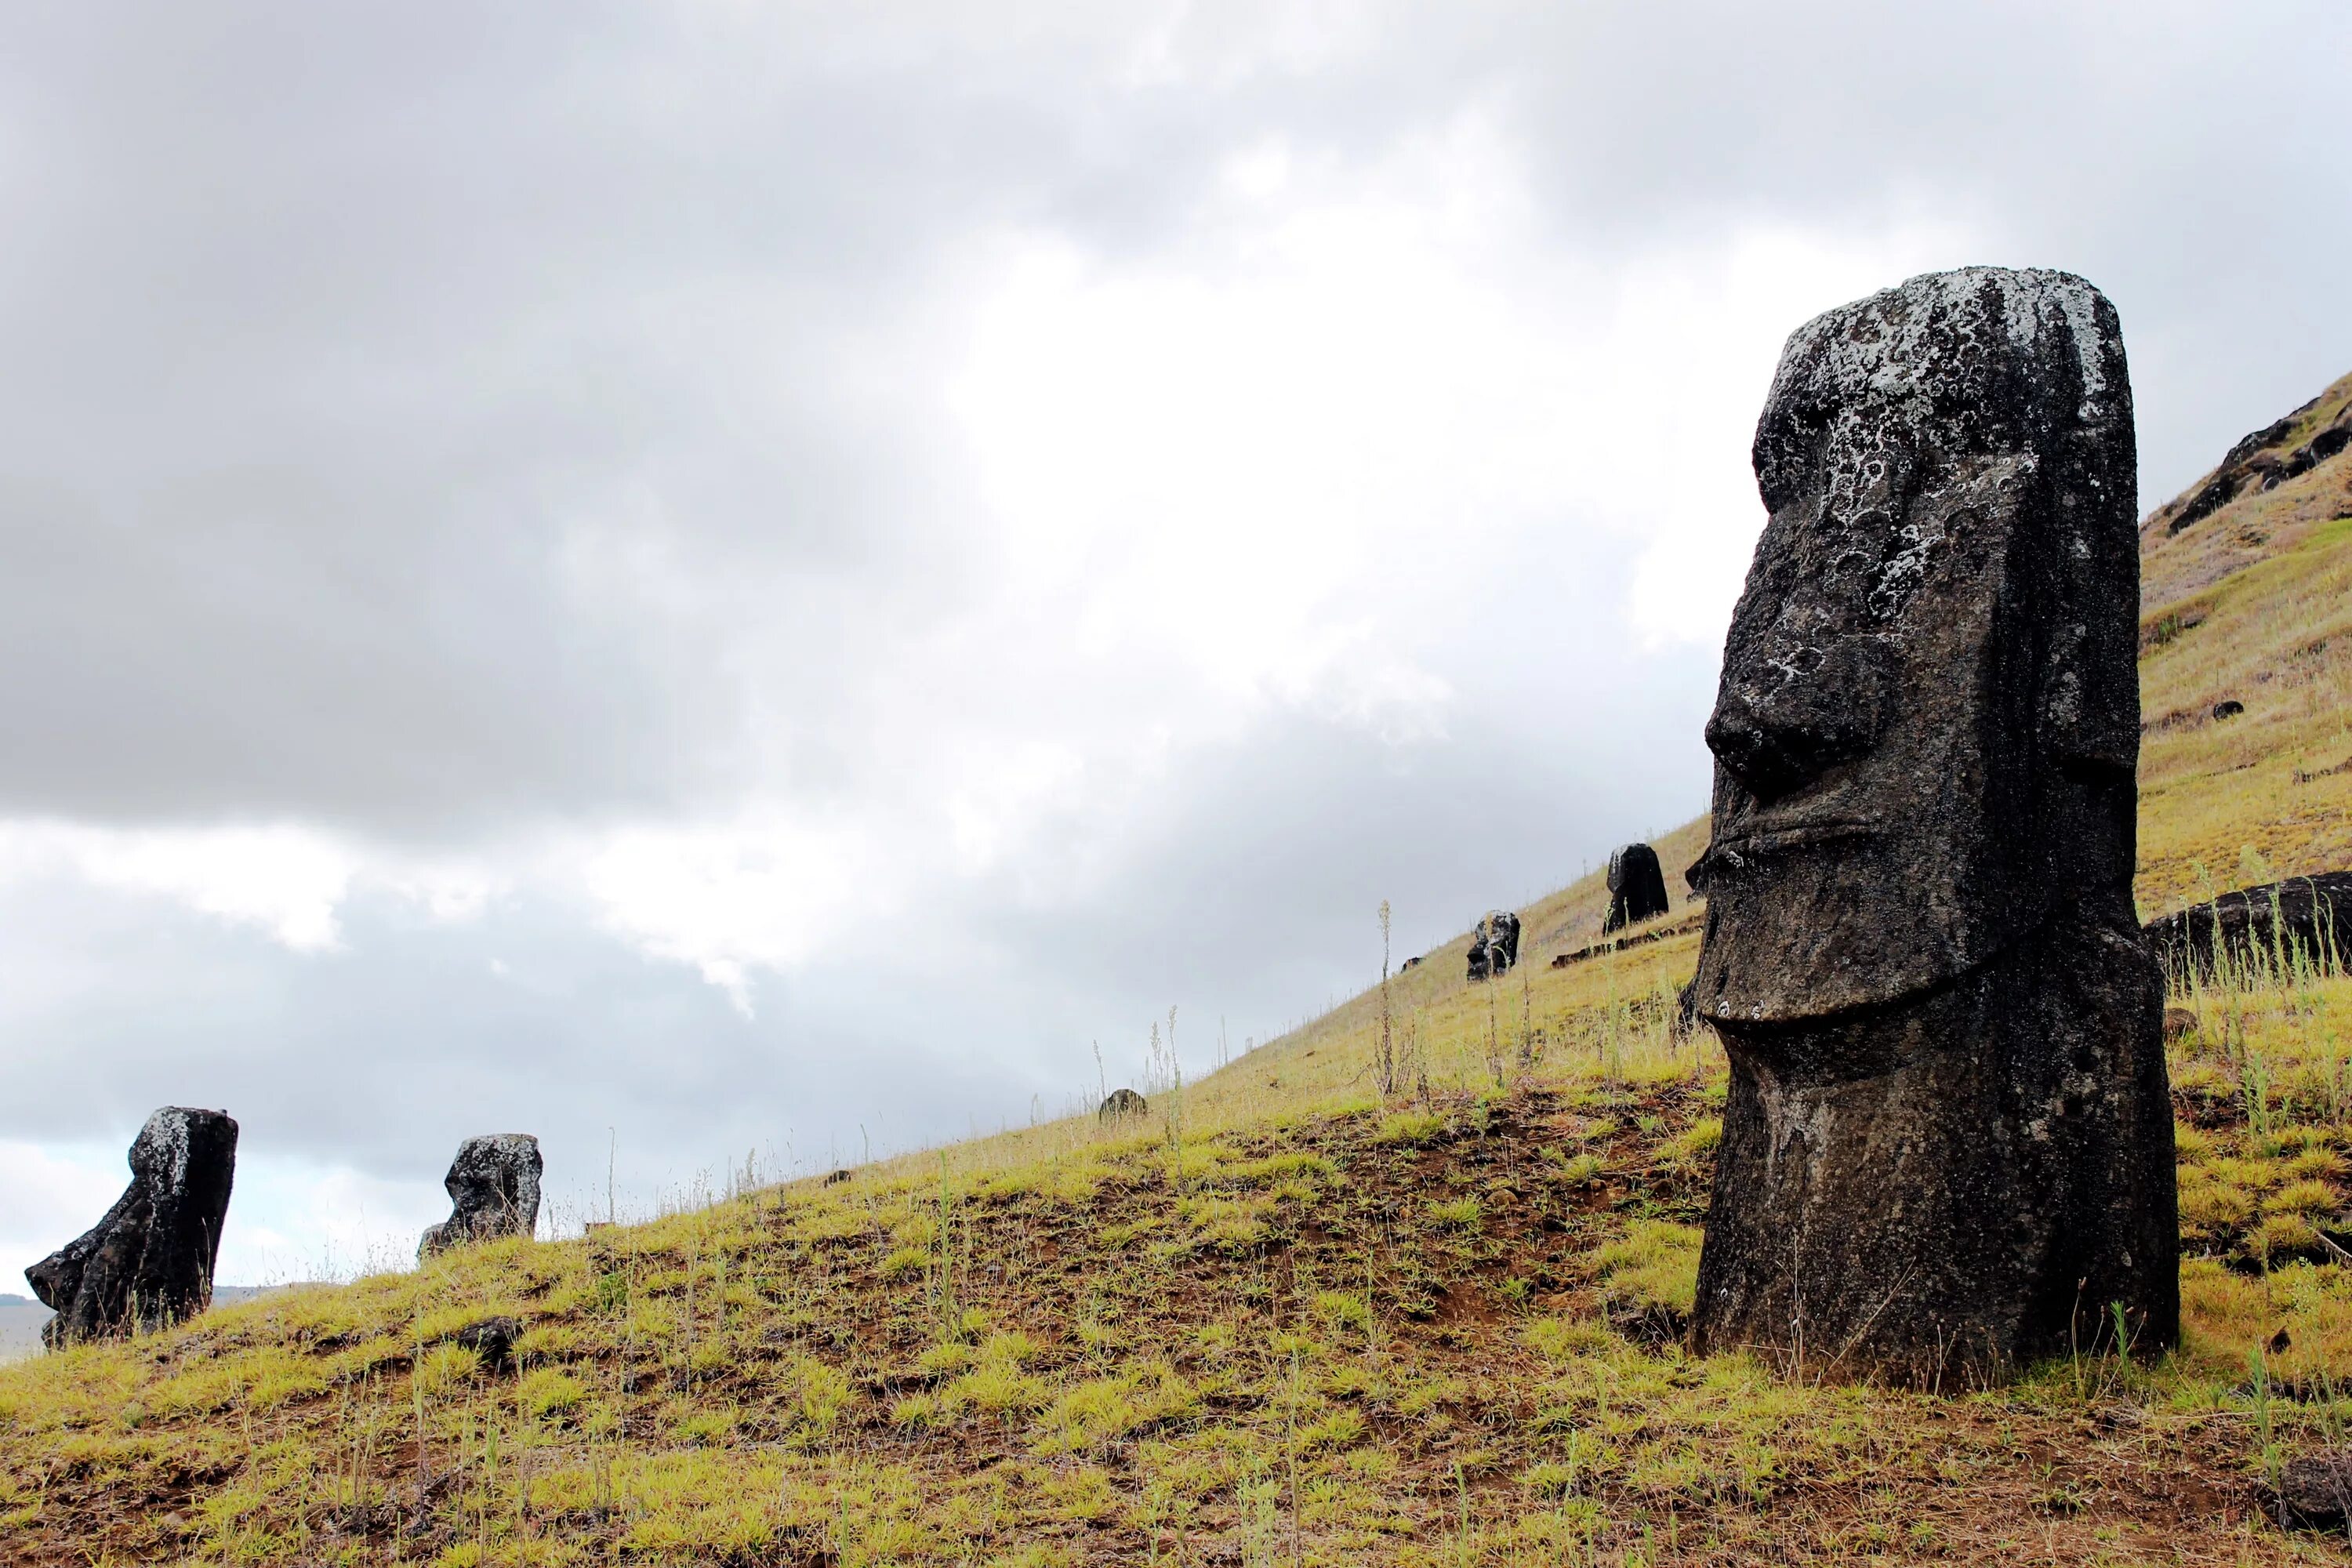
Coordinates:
1064 508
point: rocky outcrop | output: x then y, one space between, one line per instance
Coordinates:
1691 921
1947 1141
1494 945
1637 888
149 1263
493 1185
2278 928
2314 1491
1121 1102
2262 461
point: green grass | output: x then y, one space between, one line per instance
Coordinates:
1283 1319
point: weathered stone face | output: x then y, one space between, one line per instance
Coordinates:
1928 716
494 1186
149 1262
1637 887
1949 1131
1494 945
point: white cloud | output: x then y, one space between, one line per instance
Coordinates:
730 898
47 1184
910 495
285 880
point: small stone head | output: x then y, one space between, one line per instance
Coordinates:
1927 722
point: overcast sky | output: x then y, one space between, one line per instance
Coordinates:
698 578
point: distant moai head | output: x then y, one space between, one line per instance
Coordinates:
1637 887
493 1186
496 1175
1928 716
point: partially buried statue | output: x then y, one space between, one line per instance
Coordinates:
1948 1146
1637 888
493 1186
1494 945
149 1263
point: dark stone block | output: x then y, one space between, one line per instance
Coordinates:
1948 1142
2228 708
149 1263
1494 945
2277 927
2315 1492
1637 888
493 1339
835 1178
1122 1102
493 1185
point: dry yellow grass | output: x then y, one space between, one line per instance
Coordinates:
1295 1316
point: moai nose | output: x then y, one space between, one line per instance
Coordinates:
1769 759
1776 736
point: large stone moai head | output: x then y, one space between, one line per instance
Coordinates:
493 1186
1929 711
149 1262
1948 1127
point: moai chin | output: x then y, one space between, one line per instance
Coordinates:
1948 1144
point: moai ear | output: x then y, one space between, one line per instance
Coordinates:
2089 693
2090 689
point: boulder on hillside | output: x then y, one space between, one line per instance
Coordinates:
1920 949
149 1263
2314 1491
2260 461
493 1185
1637 888
1121 1102
1494 945
2301 922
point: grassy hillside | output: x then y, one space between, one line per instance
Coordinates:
1315 1309
2250 603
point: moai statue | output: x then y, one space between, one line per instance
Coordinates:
149 1263
1637 888
1948 1146
1494 945
493 1186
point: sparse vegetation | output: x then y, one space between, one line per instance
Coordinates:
1401 1287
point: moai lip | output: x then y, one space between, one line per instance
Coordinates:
1947 1143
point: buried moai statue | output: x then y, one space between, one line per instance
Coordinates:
1637 888
1494 945
149 1263
493 1186
1948 1144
